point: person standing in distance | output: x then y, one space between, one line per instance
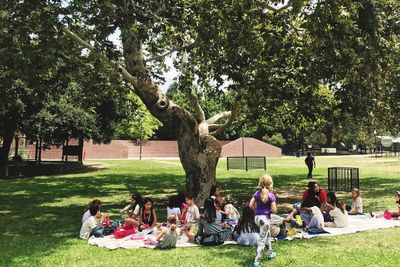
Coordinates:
310 162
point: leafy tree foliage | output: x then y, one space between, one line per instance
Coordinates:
301 65
50 89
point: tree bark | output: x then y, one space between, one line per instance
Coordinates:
7 141
199 152
329 135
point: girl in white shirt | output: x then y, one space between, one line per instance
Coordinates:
133 210
173 206
356 205
337 211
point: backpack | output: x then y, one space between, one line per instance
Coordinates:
124 231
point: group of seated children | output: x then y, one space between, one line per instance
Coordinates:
320 209
220 220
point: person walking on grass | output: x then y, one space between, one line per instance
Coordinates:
264 204
310 162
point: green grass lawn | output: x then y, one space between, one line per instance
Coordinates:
40 217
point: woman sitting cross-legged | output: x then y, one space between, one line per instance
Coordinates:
210 232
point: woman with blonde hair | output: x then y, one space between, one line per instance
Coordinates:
264 204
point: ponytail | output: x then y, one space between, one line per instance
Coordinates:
266 185
264 195
173 220
173 227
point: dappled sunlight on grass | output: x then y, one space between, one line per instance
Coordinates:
40 217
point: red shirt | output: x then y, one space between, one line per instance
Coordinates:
321 197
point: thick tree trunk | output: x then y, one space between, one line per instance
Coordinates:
329 135
198 151
199 158
7 141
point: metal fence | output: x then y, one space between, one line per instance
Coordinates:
343 179
246 163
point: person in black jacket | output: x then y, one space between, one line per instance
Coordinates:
310 162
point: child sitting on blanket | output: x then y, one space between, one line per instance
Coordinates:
215 191
209 233
147 215
87 214
168 236
173 206
356 205
337 211
317 219
231 212
220 213
192 218
92 226
181 201
285 226
394 214
246 232
133 210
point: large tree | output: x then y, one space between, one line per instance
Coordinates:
27 53
49 89
271 53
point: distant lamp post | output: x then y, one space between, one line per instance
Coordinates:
375 146
141 138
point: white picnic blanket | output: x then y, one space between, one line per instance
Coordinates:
358 223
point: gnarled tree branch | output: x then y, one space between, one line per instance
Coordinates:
93 49
176 49
218 116
228 124
198 110
214 126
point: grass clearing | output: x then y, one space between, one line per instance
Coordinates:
40 217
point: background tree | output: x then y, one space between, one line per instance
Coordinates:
50 90
271 55
27 54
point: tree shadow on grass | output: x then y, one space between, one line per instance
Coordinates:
39 215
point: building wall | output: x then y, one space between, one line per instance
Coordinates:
125 149
247 146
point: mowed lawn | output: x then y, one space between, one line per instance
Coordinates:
40 217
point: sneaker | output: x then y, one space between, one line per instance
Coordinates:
271 255
256 264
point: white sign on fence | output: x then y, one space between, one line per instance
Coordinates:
328 150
